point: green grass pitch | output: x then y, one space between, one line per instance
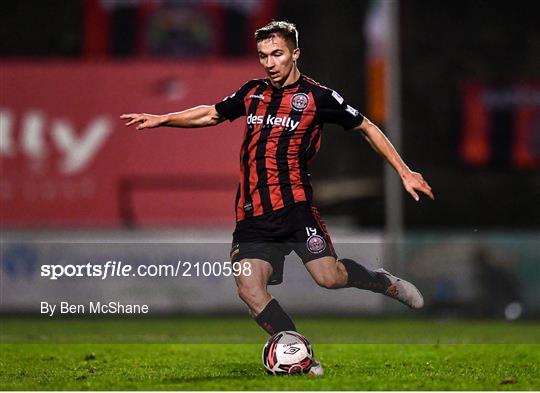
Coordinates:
224 354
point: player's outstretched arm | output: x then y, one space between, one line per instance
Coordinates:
199 116
412 181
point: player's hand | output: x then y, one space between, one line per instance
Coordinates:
144 120
413 181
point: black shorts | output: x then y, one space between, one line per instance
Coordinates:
272 236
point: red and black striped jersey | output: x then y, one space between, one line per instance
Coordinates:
282 135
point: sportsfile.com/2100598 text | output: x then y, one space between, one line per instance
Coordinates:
117 269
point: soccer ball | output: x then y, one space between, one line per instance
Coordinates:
287 352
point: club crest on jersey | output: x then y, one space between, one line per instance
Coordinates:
315 243
299 101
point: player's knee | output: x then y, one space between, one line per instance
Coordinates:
328 280
250 294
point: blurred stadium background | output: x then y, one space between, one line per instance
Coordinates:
455 85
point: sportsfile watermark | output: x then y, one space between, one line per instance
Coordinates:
119 269
86 291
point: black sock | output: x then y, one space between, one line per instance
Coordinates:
363 278
274 319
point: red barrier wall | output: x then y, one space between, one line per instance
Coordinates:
67 160
501 125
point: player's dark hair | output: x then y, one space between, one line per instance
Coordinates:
286 30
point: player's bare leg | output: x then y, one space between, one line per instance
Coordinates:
327 272
252 289
332 274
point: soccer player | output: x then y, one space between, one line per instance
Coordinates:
284 115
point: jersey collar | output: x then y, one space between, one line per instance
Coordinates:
286 87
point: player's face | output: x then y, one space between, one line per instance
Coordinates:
277 58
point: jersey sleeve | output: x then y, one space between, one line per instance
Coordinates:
334 109
232 107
